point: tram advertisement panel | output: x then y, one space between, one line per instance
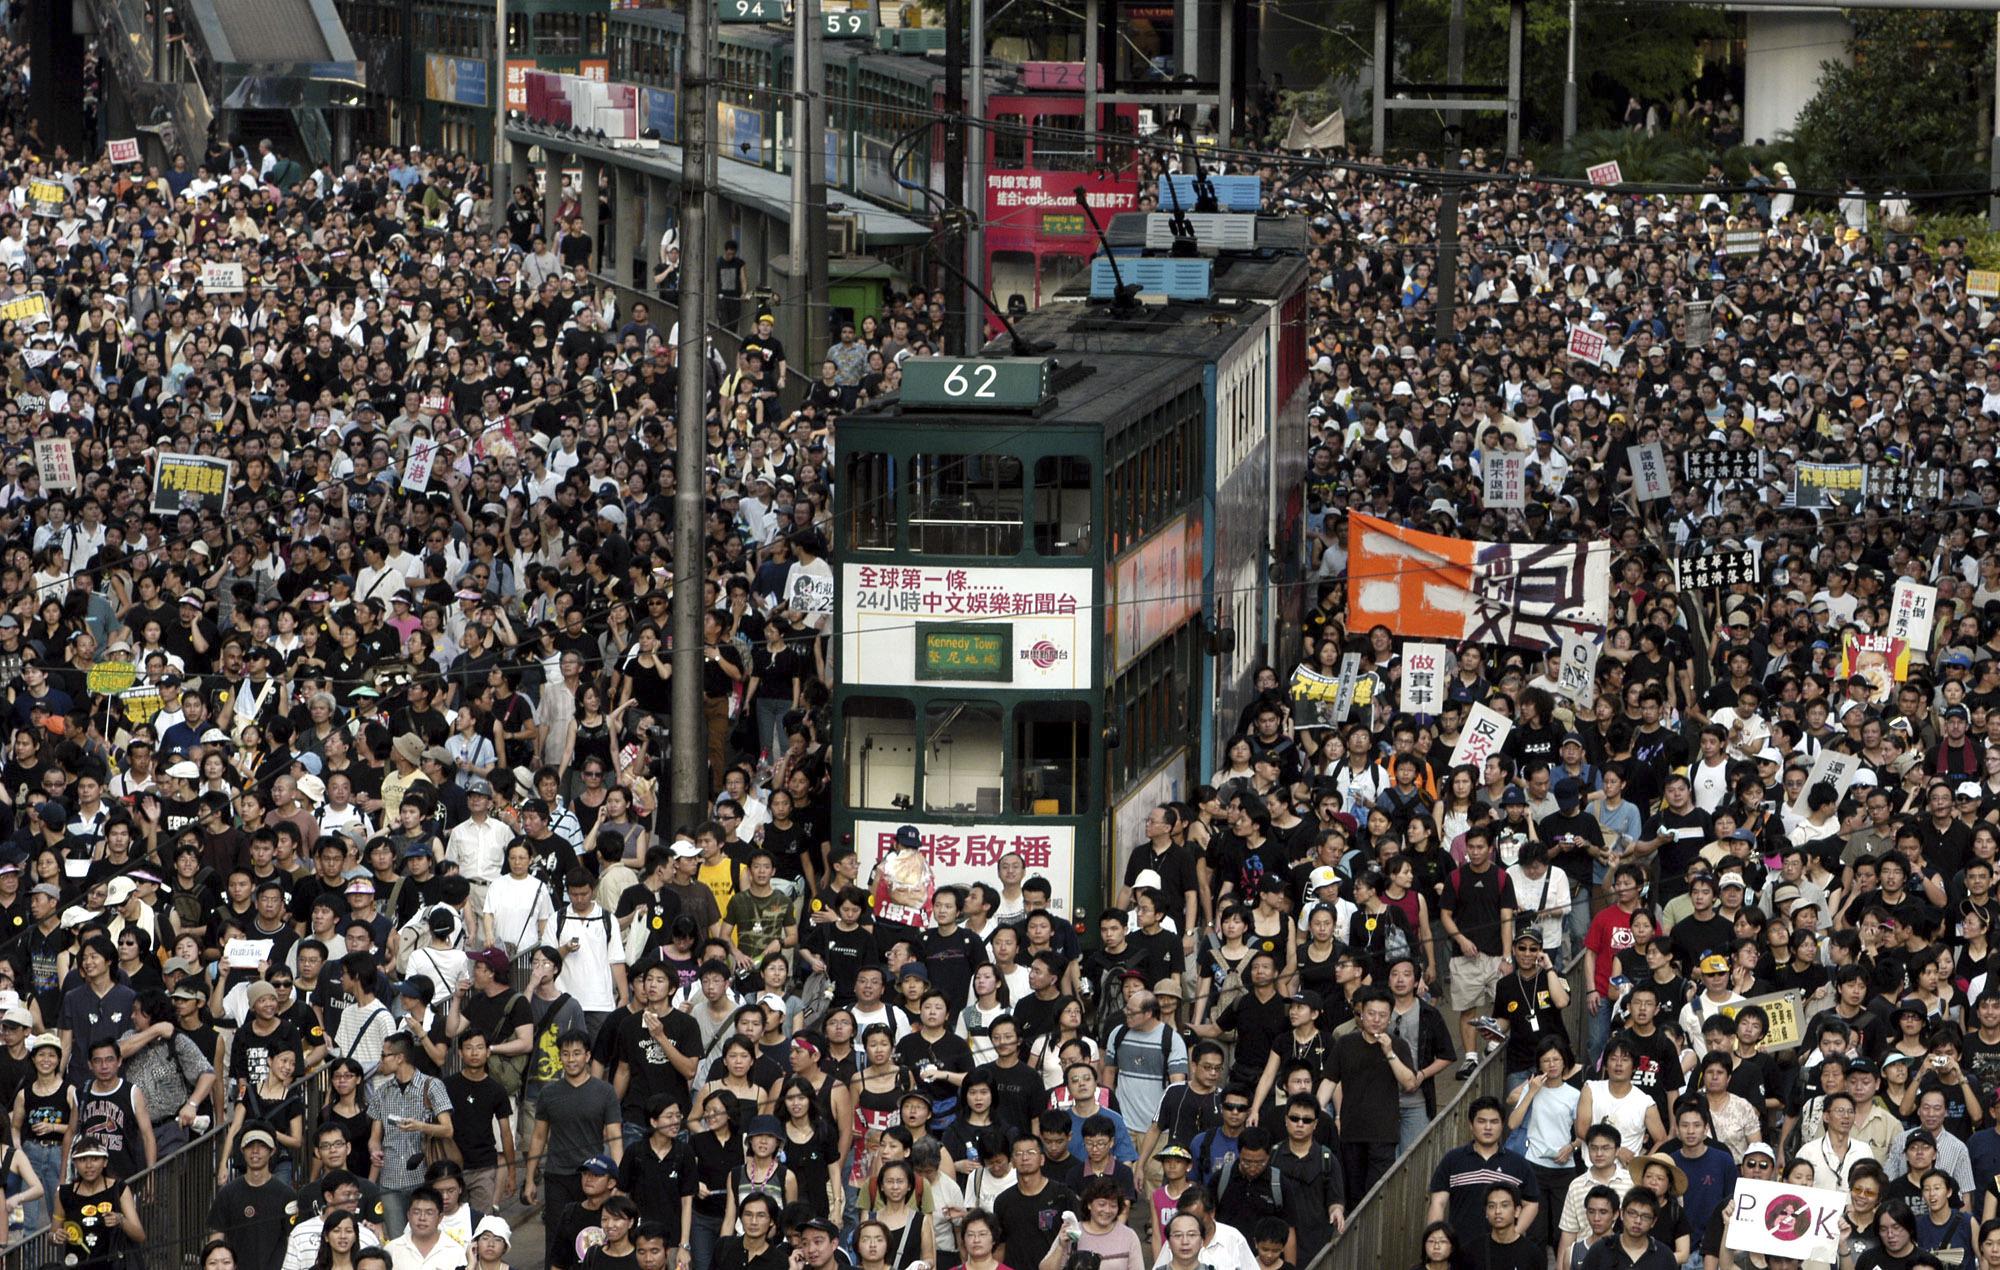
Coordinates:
965 854
1026 629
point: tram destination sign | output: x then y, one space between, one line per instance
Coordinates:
956 652
977 383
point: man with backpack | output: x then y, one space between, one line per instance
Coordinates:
1313 1168
1248 1190
1142 1056
493 1009
593 969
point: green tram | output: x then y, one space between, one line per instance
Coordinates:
1057 573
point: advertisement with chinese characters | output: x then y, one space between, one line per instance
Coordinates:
1027 629
964 854
1024 200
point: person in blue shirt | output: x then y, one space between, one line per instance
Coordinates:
1084 1104
1710 1169
1213 1147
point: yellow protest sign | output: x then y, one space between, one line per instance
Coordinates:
107 677
1785 1010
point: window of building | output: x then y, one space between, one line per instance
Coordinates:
1052 743
964 758
965 504
879 752
1062 506
871 502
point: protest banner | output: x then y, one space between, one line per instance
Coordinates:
46 198
1427 586
1649 471
1586 345
417 468
1743 242
1899 486
25 308
1912 613
1984 283
1577 676
122 150
1311 685
1343 697
191 482
1824 486
1605 173
1505 476
1486 730
1716 568
222 277
1704 466
1777 1219
1786 1012
1832 768
1882 661
1424 669
55 462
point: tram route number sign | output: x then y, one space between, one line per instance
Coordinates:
848 24
750 10
964 652
977 383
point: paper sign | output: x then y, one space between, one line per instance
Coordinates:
1831 768
1882 661
1577 676
1912 612
1485 732
220 277
1649 471
1343 699
1984 283
123 150
24 308
1778 1219
1586 345
55 461
1703 466
1717 568
1310 685
191 482
1505 473
246 954
140 704
46 198
1824 485
417 471
1605 173
1743 242
1424 669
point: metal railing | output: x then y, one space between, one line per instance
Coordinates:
1386 1229
173 1198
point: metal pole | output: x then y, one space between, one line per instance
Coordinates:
801 178
1454 61
688 774
954 157
1383 68
1446 281
816 180
1569 81
1517 14
503 193
1993 200
975 186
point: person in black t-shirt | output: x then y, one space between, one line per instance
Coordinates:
1530 1002
478 1103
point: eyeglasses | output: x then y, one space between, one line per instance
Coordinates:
1236 1106
1301 1120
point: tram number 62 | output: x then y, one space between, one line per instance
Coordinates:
959 384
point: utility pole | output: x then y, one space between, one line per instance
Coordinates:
1569 81
975 186
503 193
809 207
954 158
1445 279
689 771
1454 66
1993 200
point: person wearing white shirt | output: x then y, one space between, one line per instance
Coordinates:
1224 1247
478 844
422 1245
1541 893
593 969
302 1245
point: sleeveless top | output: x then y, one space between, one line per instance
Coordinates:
874 1112
43 1109
1627 1115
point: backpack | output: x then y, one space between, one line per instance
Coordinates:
1117 1038
548 1059
510 1069
1271 1175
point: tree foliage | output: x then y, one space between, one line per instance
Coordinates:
1911 109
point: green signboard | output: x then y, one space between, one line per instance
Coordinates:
981 653
977 383
750 10
848 24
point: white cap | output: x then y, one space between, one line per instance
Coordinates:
312 788
1148 878
1866 776
685 850
492 1225
184 771
1969 789
1324 875
120 890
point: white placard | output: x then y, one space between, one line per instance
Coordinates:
246 954
220 277
1425 667
1782 1220
417 469
1485 732
1578 672
1605 173
1505 473
122 151
1649 471
1049 612
971 853
1912 613
1833 767
55 462
1343 700
1586 345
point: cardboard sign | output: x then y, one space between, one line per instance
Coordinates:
25 308
1743 242
1577 673
1505 473
1912 613
1819 486
1900 486
1605 173
1883 661
246 954
1586 345
46 198
1485 732
140 704
1704 466
191 482
55 461
417 469
1984 283
1786 1012
1781 1220
1716 568
109 677
123 150
1310 685
1831 768
222 277
1649 471
1424 669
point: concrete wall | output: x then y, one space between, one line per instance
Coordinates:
1784 50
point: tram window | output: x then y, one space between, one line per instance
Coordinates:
871 505
879 740
1052 748
1010 143
1062 506
963 757
1060 145
965 504
1057 269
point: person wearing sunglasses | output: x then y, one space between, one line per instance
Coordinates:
1212 1147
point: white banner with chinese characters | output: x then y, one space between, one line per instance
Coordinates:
1505 475
1043 617
1485 732
1912 613
1425 667
965 854
1649 471
1579 667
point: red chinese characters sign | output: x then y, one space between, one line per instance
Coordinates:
1017 200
